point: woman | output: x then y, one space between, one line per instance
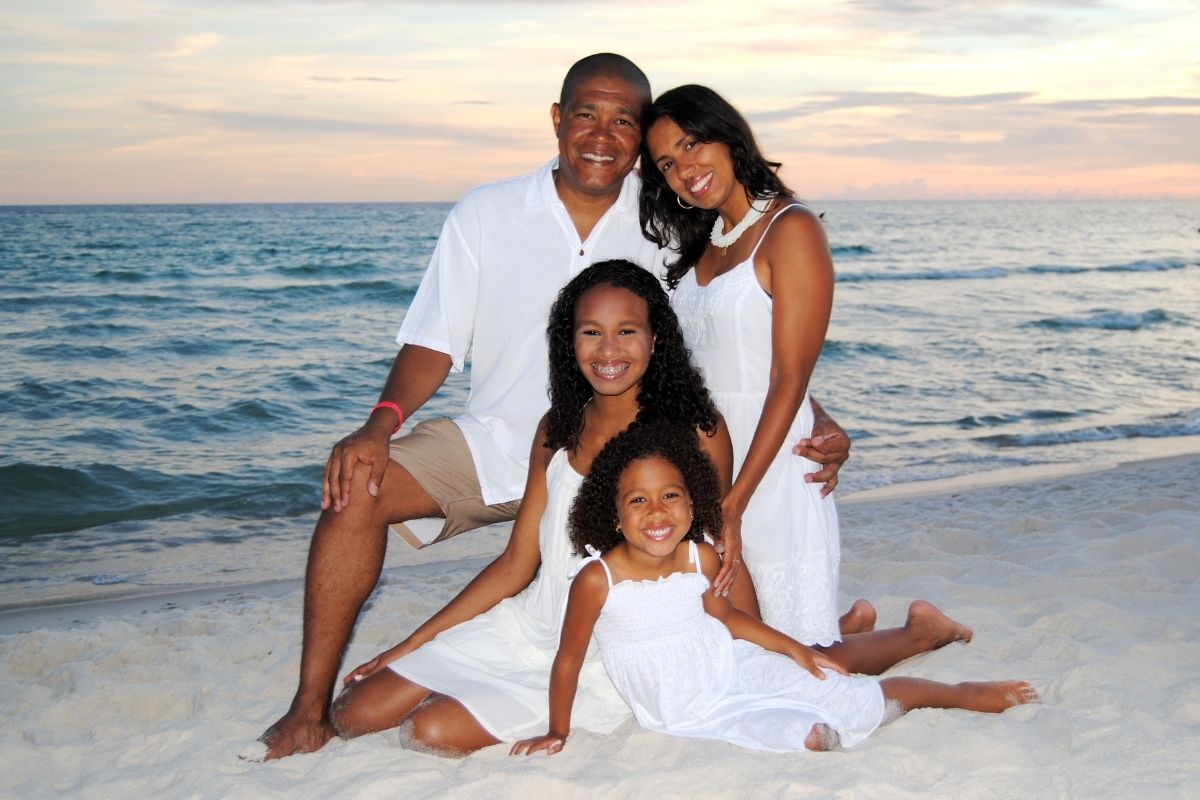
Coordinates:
753 289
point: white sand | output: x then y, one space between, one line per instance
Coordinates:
1085 585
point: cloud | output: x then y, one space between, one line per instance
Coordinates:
353 79
305 125
853 100
191 45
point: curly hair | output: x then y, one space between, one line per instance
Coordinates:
671 389
593 520
705 115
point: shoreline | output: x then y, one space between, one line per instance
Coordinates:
472 552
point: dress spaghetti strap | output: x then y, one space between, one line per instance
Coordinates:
693 555
771 222
592 555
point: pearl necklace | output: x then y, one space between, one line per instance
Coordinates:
752 216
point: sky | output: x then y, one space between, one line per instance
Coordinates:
129 101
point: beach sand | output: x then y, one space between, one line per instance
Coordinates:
1084 584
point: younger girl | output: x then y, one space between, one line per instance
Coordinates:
686 661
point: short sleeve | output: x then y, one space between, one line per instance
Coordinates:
442 314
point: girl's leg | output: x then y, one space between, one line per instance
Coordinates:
441 725
380 701
874 652
905 694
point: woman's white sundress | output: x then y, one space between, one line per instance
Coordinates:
498 664
790 537
682 672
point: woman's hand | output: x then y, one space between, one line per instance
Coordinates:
375 664
551 743
816 662
729 546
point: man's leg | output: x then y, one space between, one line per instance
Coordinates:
344 563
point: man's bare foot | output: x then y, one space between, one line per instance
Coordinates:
996 696
935 628
859 619
295 733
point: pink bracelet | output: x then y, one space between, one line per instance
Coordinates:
393 407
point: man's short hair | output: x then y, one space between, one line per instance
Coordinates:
603 65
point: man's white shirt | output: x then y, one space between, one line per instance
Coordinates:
505 251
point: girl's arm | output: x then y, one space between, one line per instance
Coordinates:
511 572
795 268
589 590
744 626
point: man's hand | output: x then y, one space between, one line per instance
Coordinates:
829 446
366 446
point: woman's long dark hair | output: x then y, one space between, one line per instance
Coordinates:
671 389
705 115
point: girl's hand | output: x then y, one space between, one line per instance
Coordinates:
375 664
730 549
814 661
551 743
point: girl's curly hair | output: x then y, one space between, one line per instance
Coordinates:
593 520
705 115
671 389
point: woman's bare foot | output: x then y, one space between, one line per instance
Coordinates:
995 696
294 733
933 627
859 619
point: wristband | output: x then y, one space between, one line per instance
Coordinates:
391 407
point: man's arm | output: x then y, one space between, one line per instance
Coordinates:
416 374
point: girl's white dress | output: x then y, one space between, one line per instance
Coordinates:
498 664
790 537
682 672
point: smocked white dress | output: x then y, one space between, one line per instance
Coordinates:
790 538
682 672
498 664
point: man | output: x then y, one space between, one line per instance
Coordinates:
504 252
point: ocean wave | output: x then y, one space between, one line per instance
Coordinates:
1173 425
851 250
983 273
1105 319
44 499
834 349
1148 266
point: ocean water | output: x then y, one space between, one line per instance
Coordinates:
173 376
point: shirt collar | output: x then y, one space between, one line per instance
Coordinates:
542 192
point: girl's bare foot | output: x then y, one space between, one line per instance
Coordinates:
996 696
933 627
821 738
859 619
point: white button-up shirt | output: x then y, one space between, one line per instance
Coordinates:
505 251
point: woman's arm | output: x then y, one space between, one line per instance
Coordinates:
795 268
507 575
589 590
744 626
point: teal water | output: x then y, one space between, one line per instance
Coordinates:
172 376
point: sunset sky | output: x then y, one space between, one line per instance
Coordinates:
277 100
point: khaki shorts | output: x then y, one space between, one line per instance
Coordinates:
436 455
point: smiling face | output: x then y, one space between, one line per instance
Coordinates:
654 509
613 340
700 173
599 133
